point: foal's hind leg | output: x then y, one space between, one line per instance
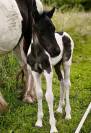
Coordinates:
67 85
62 91
62 97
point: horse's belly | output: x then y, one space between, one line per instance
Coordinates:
10 25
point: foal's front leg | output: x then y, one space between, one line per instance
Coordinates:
49 99
39 94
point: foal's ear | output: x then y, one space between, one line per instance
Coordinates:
51 12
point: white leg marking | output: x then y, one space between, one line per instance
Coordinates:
39 95
49 99
67 85
62 97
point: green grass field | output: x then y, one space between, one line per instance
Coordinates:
21 117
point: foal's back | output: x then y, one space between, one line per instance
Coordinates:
66 46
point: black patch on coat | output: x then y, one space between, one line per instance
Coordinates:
38 59
67 48
58 70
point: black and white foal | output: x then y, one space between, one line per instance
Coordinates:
40 61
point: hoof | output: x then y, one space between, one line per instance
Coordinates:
28 99
54 130
39 123
68 117
59 110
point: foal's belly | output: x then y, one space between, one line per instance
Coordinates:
10 25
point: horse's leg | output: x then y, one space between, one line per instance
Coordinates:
49 99
3 104
62 97
28 97
39 94
62 89
67 85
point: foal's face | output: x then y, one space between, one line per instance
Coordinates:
45 31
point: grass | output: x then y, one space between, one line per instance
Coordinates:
21 117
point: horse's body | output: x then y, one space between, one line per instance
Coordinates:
10 25
15 30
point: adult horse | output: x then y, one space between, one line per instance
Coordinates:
15 27
16 31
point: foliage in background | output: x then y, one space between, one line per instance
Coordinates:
66 4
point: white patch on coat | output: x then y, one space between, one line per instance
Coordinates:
10 25
55 60
39 6
29 50
35 42
72 47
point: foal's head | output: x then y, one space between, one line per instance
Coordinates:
45 31
37 57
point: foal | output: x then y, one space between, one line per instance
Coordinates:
39 60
